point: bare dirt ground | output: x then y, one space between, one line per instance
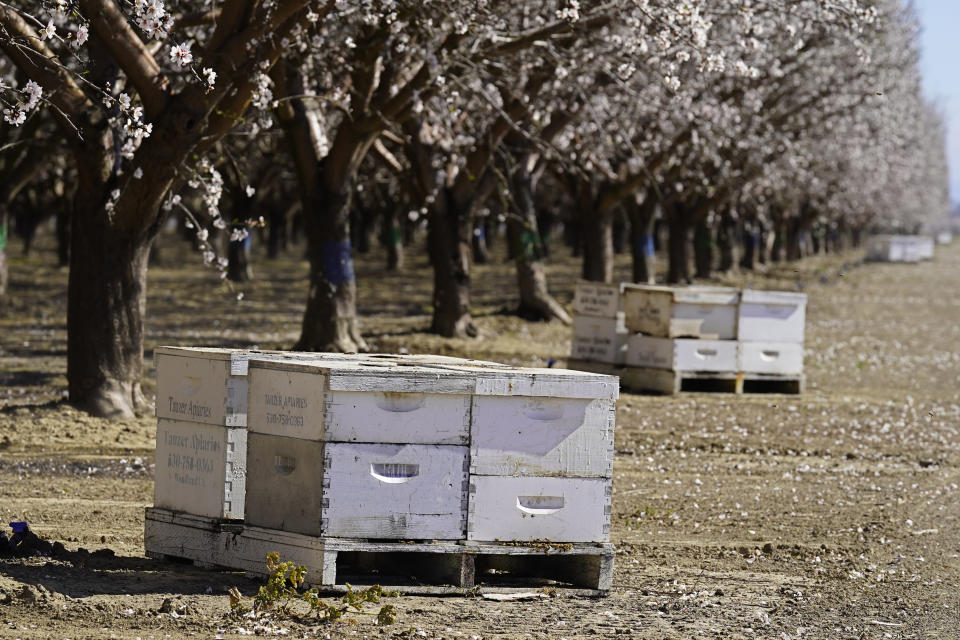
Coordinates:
828 515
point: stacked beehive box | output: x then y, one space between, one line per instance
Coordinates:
900 248
599 333
202 428
346 457
673 334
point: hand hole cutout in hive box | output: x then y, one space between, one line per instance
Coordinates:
394 473
540 505
769 356
545 410
400 402
706 353
284 465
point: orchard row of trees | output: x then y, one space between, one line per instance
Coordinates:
725 121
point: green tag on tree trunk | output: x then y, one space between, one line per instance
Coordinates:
3 236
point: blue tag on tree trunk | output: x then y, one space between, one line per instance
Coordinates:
337 262
648 249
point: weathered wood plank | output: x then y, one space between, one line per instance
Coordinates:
526 509
530 436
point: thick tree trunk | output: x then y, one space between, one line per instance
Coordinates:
326 187
330 320
726 241
794 239
106 302
621 239
678 245
778 251
703 248
481 253
393 239
449 239
277 230
63 238
642 225
596 229
536 303
239 268
751 246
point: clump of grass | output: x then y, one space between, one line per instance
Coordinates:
283 596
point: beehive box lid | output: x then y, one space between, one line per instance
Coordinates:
387 375
239 358
531 381
693 295
773 297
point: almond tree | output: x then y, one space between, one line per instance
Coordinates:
138 94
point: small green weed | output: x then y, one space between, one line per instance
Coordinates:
282 596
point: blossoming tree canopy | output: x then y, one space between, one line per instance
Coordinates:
713 115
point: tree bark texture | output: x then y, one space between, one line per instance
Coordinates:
393 239
536 303
703 248
726 241
678 245
642 226
449 239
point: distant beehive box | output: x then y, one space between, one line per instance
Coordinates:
200 469
774 358
209 385
945 237
681 312
899 248
771 316
681 354
599 339
597 299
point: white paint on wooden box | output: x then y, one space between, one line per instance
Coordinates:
524 509
783 358
395 491
538 436
772 316
597 299
671 312
209 384
599 339
945 237
680 354
556 383
200 469
383 491
300 403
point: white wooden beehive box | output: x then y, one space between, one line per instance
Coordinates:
597 299
945 237
780 358
543 422
682 354
509 508
200 469
352 490
209 385
771 316
671 312
383 402
924 247
598 339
